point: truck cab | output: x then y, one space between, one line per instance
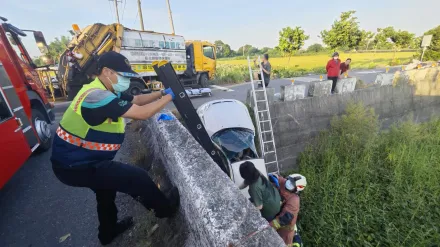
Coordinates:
230 127
201 61
25 112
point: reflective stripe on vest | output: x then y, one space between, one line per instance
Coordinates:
86 144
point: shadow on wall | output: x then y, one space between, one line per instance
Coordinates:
414 94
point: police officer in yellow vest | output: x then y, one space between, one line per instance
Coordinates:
91 132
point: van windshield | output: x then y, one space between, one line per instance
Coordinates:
237 144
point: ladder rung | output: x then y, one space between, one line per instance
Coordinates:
271 162
268 141
257 80
261 100
264 121
265 131
259 90
269 152
263 110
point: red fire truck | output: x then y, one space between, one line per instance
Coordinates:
25 113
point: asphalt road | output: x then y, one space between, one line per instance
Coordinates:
36 209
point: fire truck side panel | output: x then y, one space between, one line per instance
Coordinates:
14 146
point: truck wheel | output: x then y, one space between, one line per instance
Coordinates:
136 87
204 80
42 127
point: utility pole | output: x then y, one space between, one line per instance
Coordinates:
171 16
117 12
141 19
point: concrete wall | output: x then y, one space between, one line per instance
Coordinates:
415 94
213 211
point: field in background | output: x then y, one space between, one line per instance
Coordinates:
359 60
236 71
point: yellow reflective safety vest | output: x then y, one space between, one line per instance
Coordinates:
77 142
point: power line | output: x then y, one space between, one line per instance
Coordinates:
123 11
110 7
136 18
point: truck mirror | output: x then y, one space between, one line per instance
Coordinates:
41 42
47 60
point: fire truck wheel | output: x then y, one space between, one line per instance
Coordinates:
42 127
136 87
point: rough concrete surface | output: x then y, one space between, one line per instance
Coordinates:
213 210
320 88
296 123
345 85
384 79
293 92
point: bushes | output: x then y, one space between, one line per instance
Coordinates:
367 188
230 74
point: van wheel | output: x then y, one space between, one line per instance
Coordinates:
136 87
204 80
42 127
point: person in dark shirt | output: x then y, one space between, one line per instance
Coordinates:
345 66
334 70
267 68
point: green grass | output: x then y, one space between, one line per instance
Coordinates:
372 188
236 71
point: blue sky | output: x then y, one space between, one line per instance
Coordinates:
236 22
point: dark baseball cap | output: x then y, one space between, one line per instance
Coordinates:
116 62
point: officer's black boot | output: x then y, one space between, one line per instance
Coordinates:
106 235
173 206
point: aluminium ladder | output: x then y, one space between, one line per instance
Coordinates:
263 120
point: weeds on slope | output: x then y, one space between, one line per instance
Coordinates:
371 188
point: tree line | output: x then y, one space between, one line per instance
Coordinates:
344 35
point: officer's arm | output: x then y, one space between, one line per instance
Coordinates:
142 112
144 99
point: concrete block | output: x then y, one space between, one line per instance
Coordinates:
345 85
213 211
384 79
320 88
293 92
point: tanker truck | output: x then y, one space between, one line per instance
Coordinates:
194 61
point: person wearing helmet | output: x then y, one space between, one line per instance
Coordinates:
285 221
333 70
263 194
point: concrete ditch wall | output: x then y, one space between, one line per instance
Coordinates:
213 211
416 94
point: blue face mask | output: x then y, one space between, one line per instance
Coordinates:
122 85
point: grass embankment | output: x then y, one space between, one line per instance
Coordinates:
236 71
372 188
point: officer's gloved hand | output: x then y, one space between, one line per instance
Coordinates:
168 91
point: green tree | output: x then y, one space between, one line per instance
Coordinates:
223 50
57 47
315 48
433 51
244 50
264 50
291 40
389 38
38 61
366 40
345 32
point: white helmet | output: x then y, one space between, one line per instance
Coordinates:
296 183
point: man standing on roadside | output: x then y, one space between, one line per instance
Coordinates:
89 136
266 67
345 66
334 70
